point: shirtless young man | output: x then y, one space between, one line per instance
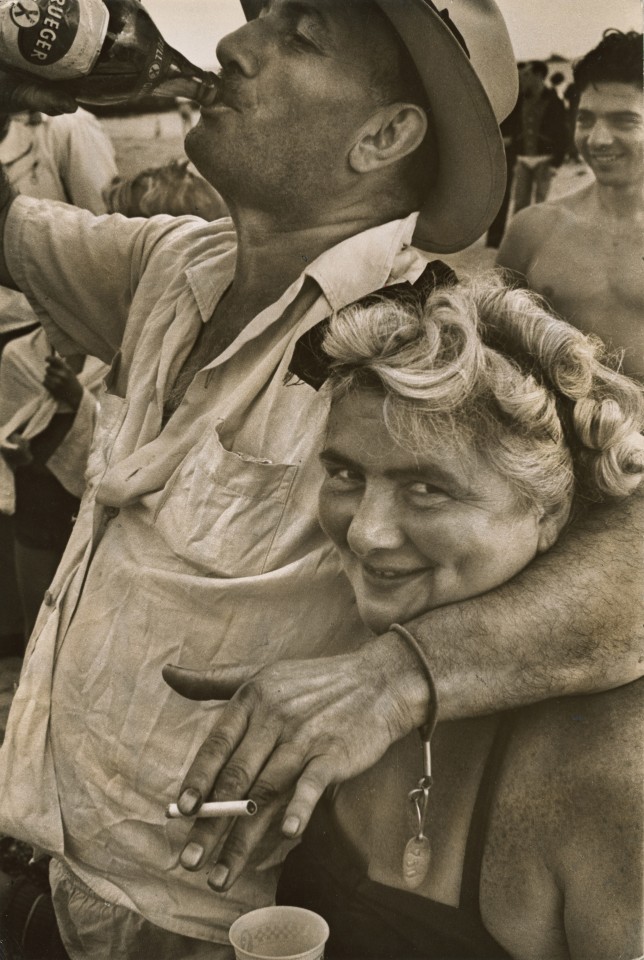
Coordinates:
583 253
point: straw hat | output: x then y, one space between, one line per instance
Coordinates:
464 57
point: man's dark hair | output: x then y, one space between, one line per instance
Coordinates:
617 58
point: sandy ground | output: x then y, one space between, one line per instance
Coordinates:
156 139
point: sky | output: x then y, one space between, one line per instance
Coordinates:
537 27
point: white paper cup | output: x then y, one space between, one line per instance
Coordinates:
279 933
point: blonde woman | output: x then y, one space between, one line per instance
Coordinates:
462 438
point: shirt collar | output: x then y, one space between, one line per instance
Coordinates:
346 272
206 281
363 263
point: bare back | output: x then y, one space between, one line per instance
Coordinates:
588 267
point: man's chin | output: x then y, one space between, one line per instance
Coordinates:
199 152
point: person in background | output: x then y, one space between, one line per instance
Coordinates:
67 158
540 136
555 80
335 144
497 227
584 252
48 410
173 189
463 434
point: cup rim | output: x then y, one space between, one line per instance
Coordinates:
285 907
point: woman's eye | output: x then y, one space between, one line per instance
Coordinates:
342 476
423 492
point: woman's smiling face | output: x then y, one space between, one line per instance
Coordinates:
416 532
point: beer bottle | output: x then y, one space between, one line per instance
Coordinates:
100 51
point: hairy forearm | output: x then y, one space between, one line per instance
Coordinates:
570 623
7 196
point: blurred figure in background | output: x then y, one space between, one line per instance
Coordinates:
48 409
583 253
68 158
556 80
508 127
540 136
171 189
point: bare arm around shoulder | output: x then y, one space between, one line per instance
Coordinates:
571 622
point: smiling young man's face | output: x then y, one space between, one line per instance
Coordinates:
609 132
297 84
416 532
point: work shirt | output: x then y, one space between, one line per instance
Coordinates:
68 158
197 544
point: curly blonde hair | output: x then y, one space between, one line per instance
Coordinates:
484 365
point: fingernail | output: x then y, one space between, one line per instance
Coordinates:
218 876
191 855
290 826
189 801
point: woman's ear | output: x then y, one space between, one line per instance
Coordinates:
550 525
390 134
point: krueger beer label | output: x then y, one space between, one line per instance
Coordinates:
45 35
55 39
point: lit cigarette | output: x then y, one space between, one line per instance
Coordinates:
225 808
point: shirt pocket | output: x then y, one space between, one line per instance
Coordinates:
221 510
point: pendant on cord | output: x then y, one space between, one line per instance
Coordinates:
417 855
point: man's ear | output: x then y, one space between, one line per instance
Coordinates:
550 525
390 134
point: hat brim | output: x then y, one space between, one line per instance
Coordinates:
468 190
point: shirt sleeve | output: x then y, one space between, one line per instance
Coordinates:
80 272
84 158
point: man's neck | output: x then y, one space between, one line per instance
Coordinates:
271 257
621 204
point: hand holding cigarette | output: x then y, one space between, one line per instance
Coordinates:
223 808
